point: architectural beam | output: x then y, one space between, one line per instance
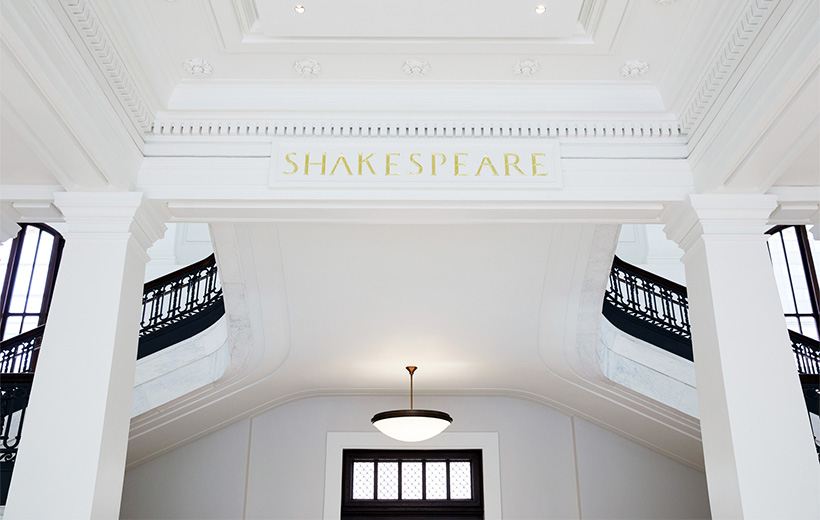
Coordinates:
762 115
757 442
46 78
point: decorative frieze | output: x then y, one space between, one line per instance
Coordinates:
110 63
721 72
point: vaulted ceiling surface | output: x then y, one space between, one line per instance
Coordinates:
462 301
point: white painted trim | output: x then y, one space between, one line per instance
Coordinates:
487 442
603 127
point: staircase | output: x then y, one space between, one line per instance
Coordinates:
656 310
175 307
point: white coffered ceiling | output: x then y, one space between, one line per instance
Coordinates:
424 41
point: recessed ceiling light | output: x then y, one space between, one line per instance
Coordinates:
540 9
299 8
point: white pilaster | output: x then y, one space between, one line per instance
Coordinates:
72 456
758 450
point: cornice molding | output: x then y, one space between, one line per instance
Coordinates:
97 42
660 128
718 214
722 70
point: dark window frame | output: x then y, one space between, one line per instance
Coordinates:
804 247
472 508
11 276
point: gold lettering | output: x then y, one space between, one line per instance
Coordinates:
388 163
433 160
341 160
365 159
486 161
308 164
458 164
536 164
290 160
419 167
514 164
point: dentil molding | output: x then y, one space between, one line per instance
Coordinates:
650 128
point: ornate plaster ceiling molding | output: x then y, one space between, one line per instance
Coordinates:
722 71
307 68
634 69
198 67
650 128
416 67
84 18
526 68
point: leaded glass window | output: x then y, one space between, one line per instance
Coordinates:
395 483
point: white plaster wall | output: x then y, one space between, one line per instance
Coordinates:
552 466
182 245
621 479
181 368
646 246
202 480
647 369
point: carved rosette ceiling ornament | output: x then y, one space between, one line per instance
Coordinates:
416 67
307 68
526 68
198 67
634 69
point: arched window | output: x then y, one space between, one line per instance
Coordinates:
28 266
795 257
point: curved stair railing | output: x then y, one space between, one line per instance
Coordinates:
180 305
649 307
175 307
656 310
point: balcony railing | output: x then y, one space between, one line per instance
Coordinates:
649 307
175 307
179 306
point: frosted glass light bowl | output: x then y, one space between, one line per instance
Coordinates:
411 425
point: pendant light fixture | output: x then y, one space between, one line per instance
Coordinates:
411 425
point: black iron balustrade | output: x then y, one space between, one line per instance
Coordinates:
175 307
19 353
18 358
14 394
180 305
649 307
806 353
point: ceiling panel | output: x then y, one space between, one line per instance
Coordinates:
452 19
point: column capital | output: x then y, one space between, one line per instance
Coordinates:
112 213
729 214
815 225
9 218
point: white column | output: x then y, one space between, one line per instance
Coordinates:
72 454
758 450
